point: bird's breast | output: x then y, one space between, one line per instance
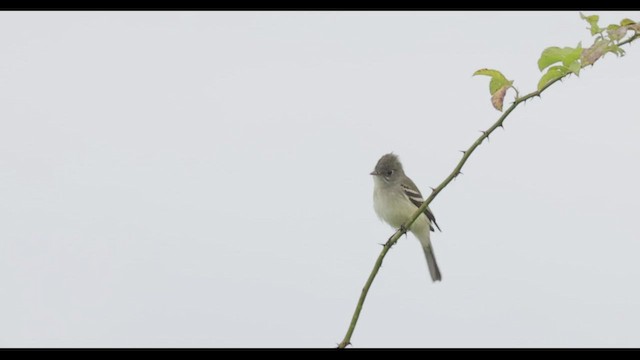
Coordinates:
394 207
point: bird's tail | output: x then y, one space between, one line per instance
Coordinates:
431 262
425 241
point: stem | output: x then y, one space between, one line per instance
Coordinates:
394 238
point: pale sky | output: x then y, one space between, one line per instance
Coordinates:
201 179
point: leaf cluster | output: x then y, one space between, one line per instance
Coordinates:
560 62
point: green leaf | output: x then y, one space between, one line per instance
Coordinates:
574 67
613 48
554 54
498 86
625 22
552 73
497 79
593 22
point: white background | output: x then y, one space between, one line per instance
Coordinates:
180 179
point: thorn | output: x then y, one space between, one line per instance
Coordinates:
485 134
463 151
432 188
459 173
502 126
381 244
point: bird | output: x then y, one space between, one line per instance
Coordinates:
395 198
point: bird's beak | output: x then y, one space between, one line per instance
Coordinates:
374 173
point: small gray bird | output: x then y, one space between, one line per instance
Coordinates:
396 198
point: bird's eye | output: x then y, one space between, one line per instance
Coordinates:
390 172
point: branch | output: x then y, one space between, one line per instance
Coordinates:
435 191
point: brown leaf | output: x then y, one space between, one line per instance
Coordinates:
497 99
595 52
618 32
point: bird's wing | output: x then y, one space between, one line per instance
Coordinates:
411 190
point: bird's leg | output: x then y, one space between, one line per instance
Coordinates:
402 229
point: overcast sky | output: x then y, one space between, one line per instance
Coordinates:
201 179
